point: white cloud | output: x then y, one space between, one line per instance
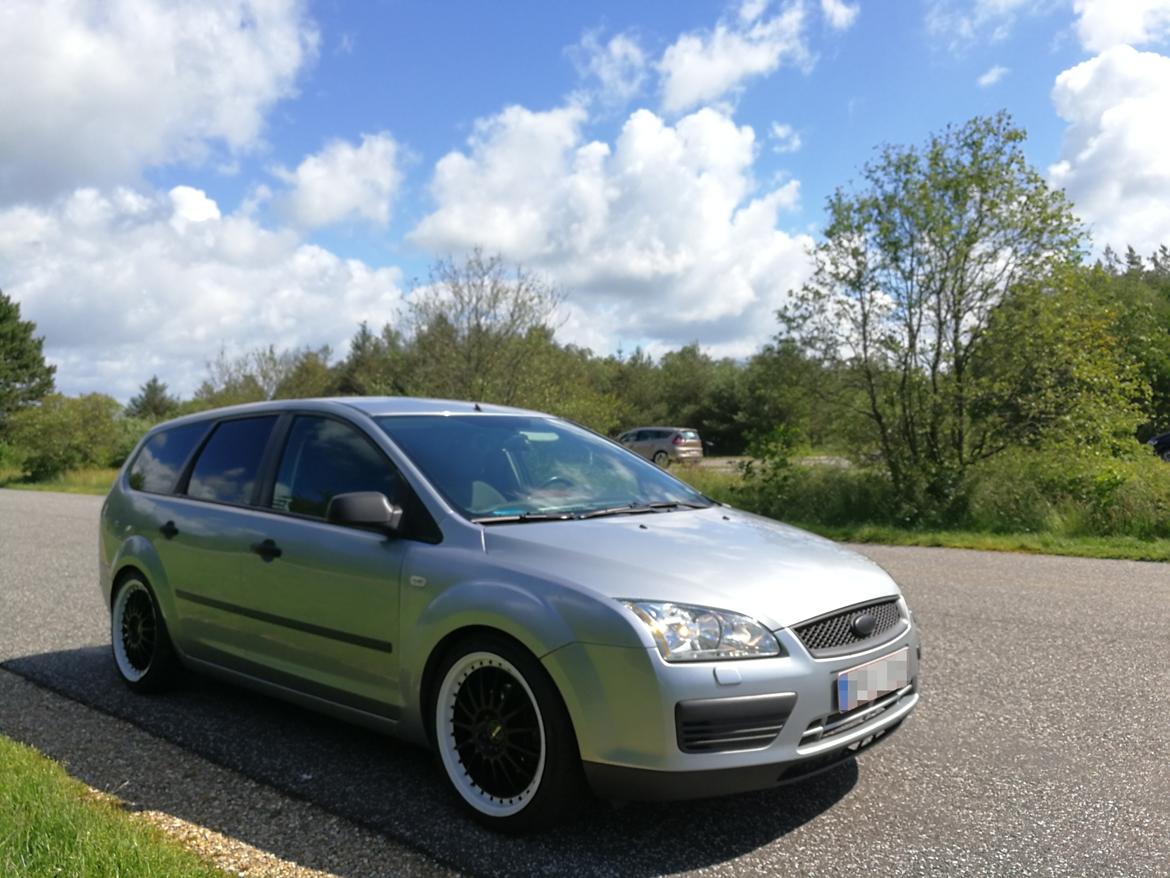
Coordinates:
839 14
787 138
344 182
958 23
661 237
1114 162
618 66
1103 24
96 90
992 76
704 66
124 284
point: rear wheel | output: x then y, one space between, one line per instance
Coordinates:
662 459
504 738
142 648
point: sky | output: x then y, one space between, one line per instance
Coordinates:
180 178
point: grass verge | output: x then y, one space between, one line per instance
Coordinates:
721 484
51 824
96 480
1123 548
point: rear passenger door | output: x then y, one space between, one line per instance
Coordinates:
327 604
209 535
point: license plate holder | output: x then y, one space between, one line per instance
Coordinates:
862 684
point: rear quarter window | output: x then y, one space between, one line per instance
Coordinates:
158 465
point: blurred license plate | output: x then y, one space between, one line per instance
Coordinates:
861 685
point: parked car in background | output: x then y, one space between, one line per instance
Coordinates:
1161 445
548 611
664 445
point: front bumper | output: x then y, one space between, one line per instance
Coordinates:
624 704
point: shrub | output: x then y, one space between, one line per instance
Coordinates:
63 433
1061 491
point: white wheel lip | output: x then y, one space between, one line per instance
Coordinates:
117 613
476 796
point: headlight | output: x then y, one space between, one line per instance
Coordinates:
692 634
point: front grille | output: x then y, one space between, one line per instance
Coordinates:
834 634
715 725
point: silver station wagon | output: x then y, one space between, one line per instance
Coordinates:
550 612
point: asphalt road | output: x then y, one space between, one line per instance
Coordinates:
1040 746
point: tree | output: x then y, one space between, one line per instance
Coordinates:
910 270
475 326
1053 370
375 365
25 377
266 373
152 403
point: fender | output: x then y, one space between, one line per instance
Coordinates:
541 615
138 552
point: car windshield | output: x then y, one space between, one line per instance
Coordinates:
507 468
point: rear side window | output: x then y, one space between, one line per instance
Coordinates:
159 463
324 458
229 464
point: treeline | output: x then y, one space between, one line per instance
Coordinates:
477 330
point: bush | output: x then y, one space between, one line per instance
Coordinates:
828 495
1059 491
63 433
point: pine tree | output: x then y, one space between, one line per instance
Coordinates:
25 377
153 402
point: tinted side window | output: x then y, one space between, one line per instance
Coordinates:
324 458
158 464
228 466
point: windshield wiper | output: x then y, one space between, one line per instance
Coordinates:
636 508
524 516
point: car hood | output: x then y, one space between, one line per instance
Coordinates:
715 557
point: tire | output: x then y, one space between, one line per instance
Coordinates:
139 640
662 459
504 738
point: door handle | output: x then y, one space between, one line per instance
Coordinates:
169 530
267 550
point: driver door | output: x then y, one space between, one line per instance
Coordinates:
326 595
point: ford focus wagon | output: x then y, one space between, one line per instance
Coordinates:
548 611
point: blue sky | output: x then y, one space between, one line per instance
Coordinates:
179 178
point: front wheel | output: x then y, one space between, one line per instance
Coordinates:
504 737
142 649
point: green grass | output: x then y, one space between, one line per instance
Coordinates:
96 480
1118 547
53 825
721 484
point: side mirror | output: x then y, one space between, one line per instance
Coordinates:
368 509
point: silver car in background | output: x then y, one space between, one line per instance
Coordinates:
664 445
549 612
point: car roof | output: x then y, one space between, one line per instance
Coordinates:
676 429
371 405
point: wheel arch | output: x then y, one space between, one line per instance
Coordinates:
137 555
429 682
